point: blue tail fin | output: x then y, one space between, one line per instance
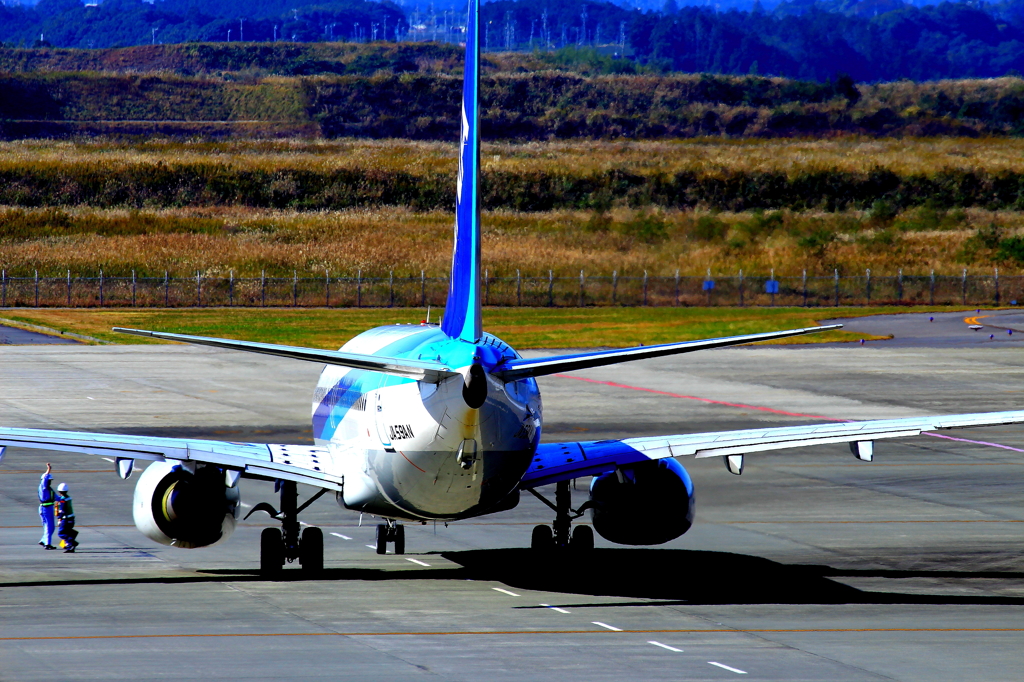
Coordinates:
462 312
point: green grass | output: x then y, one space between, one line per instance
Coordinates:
521 327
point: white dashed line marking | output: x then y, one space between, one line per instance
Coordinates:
247 506
108 459
339 535
666 646
554 608
417 561
90 398
372 546
730 669
607 627
303 523
511 594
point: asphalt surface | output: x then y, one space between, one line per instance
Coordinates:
809 566
941 330
21 337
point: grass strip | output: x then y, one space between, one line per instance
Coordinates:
522 327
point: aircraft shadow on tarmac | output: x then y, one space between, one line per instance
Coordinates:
664 575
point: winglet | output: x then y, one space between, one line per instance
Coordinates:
462 312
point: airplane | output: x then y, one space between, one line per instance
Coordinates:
442 422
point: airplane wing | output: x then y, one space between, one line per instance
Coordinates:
555 462
536 367
421 370
311 465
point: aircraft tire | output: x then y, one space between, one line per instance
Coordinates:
311 550
271 553
542 539
382 538
399 539
582 539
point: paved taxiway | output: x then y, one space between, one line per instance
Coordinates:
810 566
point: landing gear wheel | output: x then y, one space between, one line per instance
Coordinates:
542 538
271 552
382 538
311 550
399 539
582 539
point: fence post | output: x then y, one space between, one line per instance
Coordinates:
867 285
997 286
773 287
327 288
931 289
295 288
615 286
263 288
487 286
101 289
899 286
837 287
167 290
231 288
805 288
519 289
551 288
423 288
963 288
677 287
37 288
645 287
133 288
581 288
199 289
69 288
741 288
3 287
391 288
359 288
709 290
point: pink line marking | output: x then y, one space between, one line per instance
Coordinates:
765 409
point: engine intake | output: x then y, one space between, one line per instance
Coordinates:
647 504
175 507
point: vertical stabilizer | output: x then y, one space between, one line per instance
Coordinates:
462 312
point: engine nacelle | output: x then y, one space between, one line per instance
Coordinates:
181 509
647 504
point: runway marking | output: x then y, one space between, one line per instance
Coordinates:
554 608
498 589
761 408
247 506
410 461
339 535
666 646
66 471
417 561
727 667
107 459
606 626
372 546
788 523
464 633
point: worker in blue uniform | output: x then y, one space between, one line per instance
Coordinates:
46 501
66 519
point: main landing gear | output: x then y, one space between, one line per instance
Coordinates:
286 544
390 532
581 538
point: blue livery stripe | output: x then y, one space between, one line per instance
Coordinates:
462 311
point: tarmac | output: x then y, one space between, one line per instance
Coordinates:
810 566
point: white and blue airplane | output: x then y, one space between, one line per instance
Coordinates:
443 422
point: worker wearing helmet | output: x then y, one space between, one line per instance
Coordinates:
66 519
46 500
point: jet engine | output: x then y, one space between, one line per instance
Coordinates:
646 504
176 507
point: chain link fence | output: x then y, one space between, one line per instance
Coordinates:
200 291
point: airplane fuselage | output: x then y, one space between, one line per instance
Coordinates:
417 450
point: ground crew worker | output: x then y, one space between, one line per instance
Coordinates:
66 519
46 500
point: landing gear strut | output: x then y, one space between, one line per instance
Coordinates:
290 542
560 533
390 532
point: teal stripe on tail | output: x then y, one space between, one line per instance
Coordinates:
462 312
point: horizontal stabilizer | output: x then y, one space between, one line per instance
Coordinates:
421 370
536 367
